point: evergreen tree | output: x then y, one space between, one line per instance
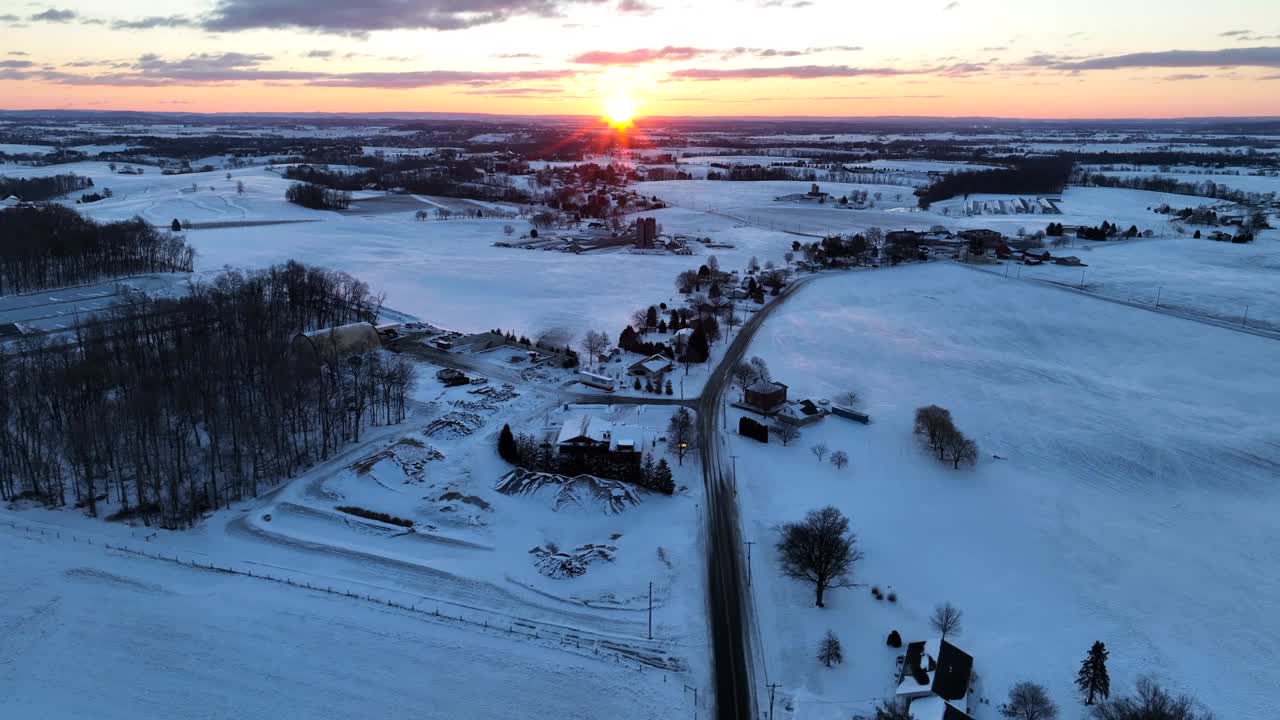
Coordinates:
697 350
507 449
670 390
662 480
829 652
175 225
636 384
1093 680
647 471
651 317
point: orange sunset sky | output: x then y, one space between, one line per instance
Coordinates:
1089 58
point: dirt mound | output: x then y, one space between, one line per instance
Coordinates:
554 563
579 491
410 454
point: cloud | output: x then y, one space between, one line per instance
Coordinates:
54 15
18 53
1231 57
877 97
951 5
517 92
1184 76
9 18
154 21
13 64
794 4
322 54
434 78
518 56
636 7
1234 33
343 17
679 53
811 72
639 55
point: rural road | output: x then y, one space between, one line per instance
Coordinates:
727 603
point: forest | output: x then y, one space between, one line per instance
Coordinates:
73 250
170 408
38 189
1035 176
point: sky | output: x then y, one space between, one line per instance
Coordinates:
988 58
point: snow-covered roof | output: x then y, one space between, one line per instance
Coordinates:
654 363
577 426
929 707
766 386
10 201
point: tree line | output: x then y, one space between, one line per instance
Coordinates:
168 408
1173 186
73 250
37 189
317 197
1044 176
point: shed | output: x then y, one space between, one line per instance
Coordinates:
765 394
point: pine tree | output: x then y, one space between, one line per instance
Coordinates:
1093 679
651 317
648 473
507 449
175 225
636 384
829 652
670 390
662 480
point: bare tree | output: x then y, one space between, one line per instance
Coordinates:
1029 701
594 343
239 187
840 459
819 451
959 447
1151 702
893 710
761 368
786 432
946 619
680 432
820 550
508 229
829 650
932 421
849 398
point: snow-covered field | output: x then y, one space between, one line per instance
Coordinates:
1134 499
89 632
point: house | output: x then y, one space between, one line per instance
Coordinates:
765 395
651 366
903 237
583 434
934 674
988 238
800 412
451 377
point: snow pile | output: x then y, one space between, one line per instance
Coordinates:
581 491
554 563
409 455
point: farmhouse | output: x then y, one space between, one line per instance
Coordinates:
934 677
583 434
800 412
651 366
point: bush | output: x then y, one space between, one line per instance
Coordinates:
894 640
374 515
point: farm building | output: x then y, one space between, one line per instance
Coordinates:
935 675
583 434
324 345
765 395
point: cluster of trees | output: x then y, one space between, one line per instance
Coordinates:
1043 175
1105 231
48 187
749 173
526 452
73 250
442 174
1159 183
174 407
839 458
935 425
571 359
317 197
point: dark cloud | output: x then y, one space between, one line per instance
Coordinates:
1234 33
54 15
18 53
155 21
636 7
343 17
322 54
1184 76
13 64
9 18
1231 57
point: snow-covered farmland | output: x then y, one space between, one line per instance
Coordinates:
1133 498
90 632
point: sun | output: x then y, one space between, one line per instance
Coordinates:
619 110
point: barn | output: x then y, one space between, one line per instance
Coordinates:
324 345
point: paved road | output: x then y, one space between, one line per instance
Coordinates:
727 603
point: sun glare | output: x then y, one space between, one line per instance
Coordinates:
619 110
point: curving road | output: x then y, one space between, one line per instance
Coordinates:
727 601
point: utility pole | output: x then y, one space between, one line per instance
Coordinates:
1081 279
748 543
772 687
650 609
695 700
735 473
724 414
1245 321
1158 291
